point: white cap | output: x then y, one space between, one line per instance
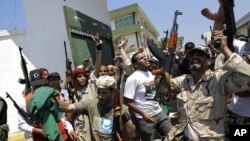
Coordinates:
106 82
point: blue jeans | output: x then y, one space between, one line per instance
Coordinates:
161 123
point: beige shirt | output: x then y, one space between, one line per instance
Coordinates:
101 119
202 106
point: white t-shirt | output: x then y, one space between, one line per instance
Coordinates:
239 46
240 105
140 87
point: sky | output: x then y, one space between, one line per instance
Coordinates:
161 13
11 15
191 24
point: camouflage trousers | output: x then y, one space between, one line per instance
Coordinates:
180 137
4 129
234 119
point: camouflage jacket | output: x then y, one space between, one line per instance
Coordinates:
202 106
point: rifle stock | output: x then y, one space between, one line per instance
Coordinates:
25 74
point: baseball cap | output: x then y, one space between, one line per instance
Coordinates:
38 77
54 74
203 49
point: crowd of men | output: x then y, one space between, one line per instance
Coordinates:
210 90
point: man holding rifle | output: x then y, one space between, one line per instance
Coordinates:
101 110
139 92
38 78
202 95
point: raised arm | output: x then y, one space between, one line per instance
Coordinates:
98 58
127 66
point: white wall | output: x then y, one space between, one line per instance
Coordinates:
42 43
46 29
131 39
10 73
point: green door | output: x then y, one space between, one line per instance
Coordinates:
80 50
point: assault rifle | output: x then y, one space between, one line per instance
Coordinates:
25 74
167 60
70 86
25 115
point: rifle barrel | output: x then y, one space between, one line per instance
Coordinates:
65 49
25 71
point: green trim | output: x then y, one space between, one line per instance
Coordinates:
80 29
126 30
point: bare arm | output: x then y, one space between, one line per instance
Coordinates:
98 58
124 55
127 66
135 108
98 62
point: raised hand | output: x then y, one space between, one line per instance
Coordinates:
122 44
219 36
98 41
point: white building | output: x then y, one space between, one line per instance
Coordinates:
132 23
49 24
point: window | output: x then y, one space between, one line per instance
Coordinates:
124 21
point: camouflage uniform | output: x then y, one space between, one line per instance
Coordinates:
202 106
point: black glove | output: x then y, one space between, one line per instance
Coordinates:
99 45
